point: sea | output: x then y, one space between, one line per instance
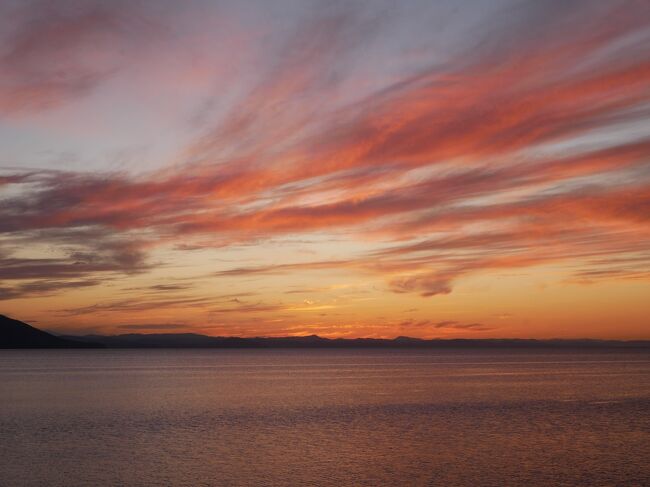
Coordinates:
305 417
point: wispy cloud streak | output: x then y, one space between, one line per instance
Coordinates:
513 152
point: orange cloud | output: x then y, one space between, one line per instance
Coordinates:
454 169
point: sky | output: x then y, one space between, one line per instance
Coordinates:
434 169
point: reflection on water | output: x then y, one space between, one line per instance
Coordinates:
323 417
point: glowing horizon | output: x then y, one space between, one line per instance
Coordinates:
363 169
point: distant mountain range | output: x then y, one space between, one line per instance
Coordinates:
16 334
191 340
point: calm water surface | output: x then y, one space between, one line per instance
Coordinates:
323 417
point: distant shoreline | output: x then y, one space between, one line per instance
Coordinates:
315 342
15 334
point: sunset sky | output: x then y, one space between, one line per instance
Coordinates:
341 168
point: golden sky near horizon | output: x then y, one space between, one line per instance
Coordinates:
359 168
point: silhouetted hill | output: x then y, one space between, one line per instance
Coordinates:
16 334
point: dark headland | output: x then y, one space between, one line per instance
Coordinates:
16 334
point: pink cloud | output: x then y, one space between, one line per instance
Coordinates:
421 163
